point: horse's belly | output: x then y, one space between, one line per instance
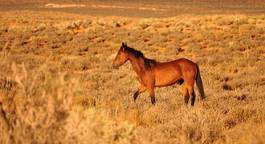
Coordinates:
166 79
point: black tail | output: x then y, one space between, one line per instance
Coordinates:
200 84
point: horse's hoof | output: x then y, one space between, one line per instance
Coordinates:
153 100
135 97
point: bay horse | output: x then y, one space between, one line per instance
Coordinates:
153 74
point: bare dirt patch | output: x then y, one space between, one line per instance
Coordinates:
101 6
52 5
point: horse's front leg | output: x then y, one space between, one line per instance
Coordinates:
150 85
152 95
140 90
151 90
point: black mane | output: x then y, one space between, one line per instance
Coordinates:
135 52
148 63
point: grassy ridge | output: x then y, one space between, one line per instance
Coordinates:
57 84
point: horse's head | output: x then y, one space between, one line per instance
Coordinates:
121 56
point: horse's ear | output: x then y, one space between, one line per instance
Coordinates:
124 44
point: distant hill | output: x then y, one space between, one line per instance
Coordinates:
136 1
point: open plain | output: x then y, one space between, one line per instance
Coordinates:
57 84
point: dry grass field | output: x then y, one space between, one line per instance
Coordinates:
57 84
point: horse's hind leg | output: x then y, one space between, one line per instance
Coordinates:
140 90
186 95
192 94
193 97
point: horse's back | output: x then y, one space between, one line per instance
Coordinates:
177 64
184 61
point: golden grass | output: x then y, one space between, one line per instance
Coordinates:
57 84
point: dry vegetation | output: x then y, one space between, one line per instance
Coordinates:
57 84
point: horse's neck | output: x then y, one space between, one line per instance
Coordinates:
137 64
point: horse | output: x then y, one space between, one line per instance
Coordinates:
153 74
